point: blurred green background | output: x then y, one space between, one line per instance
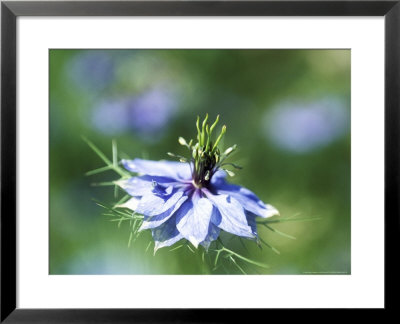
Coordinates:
287 110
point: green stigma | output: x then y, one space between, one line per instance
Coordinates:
206 158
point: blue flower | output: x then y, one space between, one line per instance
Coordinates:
91 70
147 114
151 112
111 117
301 127
191 199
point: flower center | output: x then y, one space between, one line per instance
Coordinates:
206 157
204 168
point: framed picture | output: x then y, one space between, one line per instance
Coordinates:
190 154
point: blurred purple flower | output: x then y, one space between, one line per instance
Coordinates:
152 111
302 127
92 70
147 114
111 117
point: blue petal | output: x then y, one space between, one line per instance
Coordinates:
161 190
155 221
229 215
156 204
218 176
166 234
176 170
251 220
246 198
140 186
213 233
193 220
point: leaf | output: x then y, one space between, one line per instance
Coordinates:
270 246
282 220
99 170
112 165
176 248
279 232
238 266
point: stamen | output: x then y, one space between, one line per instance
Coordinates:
230 173
213 125
223 131
196 185
203 133
230 150
206 158
208 137
198 129
182 141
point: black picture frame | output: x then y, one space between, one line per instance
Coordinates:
10 10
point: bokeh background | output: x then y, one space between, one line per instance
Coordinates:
287 110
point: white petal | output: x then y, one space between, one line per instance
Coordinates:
270 211
130 204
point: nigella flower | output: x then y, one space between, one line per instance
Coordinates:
92 70
301 127
147 114
151 112
191 199
111 117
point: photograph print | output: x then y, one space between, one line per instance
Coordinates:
199 161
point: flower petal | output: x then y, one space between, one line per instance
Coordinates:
251 220
193 220
166 234
130 204
229 215
246 198
156 204
213 233
218 176
140 186
157 220
176 170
